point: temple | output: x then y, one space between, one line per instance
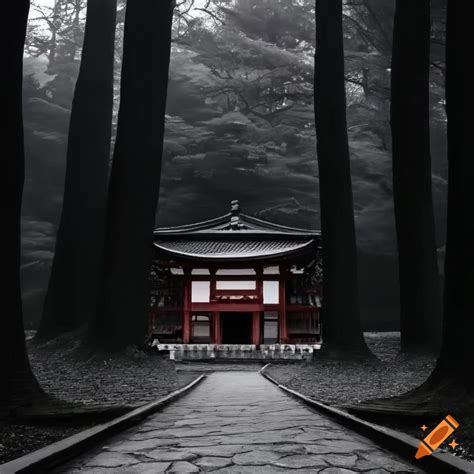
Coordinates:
236 280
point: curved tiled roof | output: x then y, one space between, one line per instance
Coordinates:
234 236
233 249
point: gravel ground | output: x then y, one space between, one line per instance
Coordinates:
69 374
134 378
337 382
17 440
340 382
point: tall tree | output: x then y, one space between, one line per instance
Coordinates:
18 381
73 287
135 178
342 328
458 317
414 218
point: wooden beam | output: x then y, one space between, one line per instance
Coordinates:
256 328
283 330
236 277
226 307
187 307
216 326
259 288
301 260
212 286
235 307
243 292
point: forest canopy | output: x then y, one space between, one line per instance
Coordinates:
239 125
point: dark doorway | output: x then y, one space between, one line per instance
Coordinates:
236 328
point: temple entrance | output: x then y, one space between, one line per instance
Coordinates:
236 328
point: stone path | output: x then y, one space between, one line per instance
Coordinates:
238 422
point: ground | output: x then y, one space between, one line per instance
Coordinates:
343 382
70 374
136 378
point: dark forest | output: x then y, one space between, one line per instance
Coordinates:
339 132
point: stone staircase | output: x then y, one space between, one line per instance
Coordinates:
237 351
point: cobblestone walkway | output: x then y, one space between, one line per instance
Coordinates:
238 422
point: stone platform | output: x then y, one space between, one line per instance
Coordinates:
237 351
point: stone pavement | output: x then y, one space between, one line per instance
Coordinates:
238 422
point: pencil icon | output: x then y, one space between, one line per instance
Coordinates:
437 436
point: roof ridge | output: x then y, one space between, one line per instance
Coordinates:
212 226
273 224
215 220
234 221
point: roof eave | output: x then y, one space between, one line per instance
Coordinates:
304 250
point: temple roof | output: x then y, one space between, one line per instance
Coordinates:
215 249
235 236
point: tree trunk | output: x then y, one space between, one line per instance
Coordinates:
17 380
73 287
457 350
410 121
342 328
121 318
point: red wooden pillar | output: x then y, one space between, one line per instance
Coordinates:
256 316
256 328
187 304
259 284
282 306
216 323
212 285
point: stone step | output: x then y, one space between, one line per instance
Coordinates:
237 351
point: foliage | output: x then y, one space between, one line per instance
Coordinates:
240 113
